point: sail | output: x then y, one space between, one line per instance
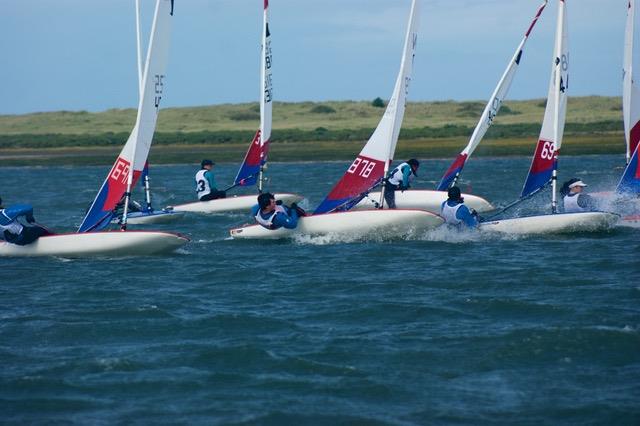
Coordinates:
369 167
490 110
545 157
630 90
256 155
131 160
630 181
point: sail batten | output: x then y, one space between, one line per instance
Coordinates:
371 165
128 166
490 110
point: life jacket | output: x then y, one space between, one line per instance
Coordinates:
396 177
448 213
571 204
202 184
9 223
268 222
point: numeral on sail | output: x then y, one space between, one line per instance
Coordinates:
120 171
547 151
365 170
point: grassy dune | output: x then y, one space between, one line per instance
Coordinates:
305 130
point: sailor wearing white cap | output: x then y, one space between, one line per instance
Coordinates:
574 200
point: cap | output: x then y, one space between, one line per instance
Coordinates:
454 194
206 163
264 199
577 183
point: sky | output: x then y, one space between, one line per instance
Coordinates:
81 54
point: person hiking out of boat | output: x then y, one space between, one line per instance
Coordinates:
454 211
574 199
15 232
273 214
206 183
400 178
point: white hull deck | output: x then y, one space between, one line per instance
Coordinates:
395 223
154 217
230 204
424 199
108 243
553 223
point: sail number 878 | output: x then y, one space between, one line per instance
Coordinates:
365 170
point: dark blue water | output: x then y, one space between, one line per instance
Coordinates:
443 329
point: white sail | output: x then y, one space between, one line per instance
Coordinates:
372 163
382 144
630 90
490 110
543 165
130 163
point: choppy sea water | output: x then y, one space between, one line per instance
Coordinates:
442 329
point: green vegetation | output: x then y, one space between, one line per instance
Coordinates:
327 130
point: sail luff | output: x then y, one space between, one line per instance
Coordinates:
491 109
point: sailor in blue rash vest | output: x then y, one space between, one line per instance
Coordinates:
454 212
400 178
272 216
15 232
206 187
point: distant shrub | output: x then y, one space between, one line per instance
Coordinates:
616 108
322 109
320 130
542 104
378 103
505 110
244 116
470 109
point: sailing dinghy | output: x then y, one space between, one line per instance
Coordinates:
252 168
90 240
334 215
431 200
545 159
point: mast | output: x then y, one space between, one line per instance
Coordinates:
266 91
561 82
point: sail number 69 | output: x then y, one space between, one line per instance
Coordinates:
547 151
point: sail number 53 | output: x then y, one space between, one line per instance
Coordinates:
362 167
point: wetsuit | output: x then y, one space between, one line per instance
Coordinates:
15 232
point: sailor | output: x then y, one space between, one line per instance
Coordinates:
454 212
206 183
573 198
15 232
273 215
400 178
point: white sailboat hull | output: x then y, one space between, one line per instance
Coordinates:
428 200
553 223
230 204
632 221
394 223
154 217
108 243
